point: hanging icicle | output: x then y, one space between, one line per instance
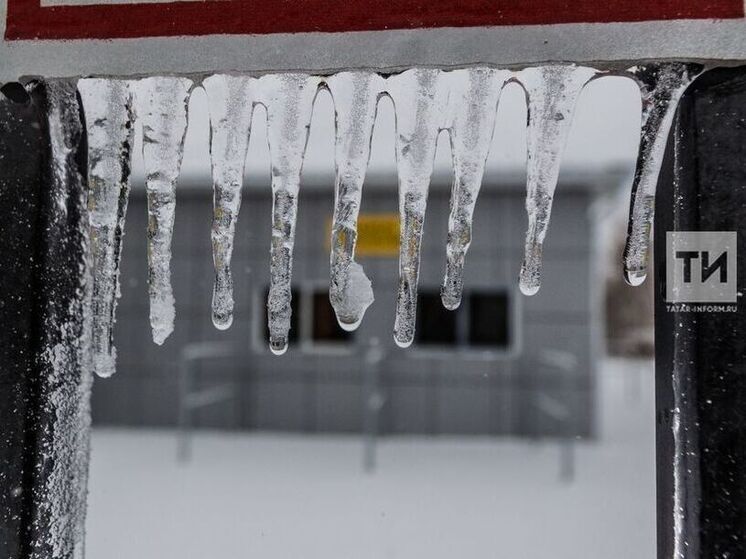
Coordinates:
419 101
474 95
355 96
162 106
288 99
231 104
427 101
661 86
109 124
552 93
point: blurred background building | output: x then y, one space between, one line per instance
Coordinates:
517 389
501 364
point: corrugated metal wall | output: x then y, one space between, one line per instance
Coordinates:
316 389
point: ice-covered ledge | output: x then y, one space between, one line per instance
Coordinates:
601 45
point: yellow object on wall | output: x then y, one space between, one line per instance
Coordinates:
377 235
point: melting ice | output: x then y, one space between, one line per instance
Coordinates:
661 86
108 114
288 99
552 93
463 103
355 96
474 95
420 104
161 104
231 102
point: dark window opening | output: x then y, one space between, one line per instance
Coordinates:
482 320
324 325
489 319
436 325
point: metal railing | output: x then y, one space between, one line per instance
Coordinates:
558 411
374 399
191 397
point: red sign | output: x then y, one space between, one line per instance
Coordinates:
102 19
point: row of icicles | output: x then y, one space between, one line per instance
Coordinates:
463 102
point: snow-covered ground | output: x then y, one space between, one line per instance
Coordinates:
271 496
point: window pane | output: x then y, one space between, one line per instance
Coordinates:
325 326
435 323
489 319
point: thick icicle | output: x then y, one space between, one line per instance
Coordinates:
108 110
474 94
162 106
231 102
661 85
289 102
420 102
355 97
552 93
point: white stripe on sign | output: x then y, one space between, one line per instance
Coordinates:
49 3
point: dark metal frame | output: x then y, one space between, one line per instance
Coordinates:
45 373
701 356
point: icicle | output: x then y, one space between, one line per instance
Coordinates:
162 106
473 100
661 85
552 93
108 110
231 101
420 104
289 102
355 97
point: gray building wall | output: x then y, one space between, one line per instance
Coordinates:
318 389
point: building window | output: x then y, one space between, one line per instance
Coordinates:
483 321
489 319
324 325
294 333
436 325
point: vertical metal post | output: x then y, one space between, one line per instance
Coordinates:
372 401
45 373
701 356
184 443
567 458
192 398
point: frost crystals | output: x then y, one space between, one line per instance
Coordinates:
661 85
231 105
162 106
552 93
108 111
